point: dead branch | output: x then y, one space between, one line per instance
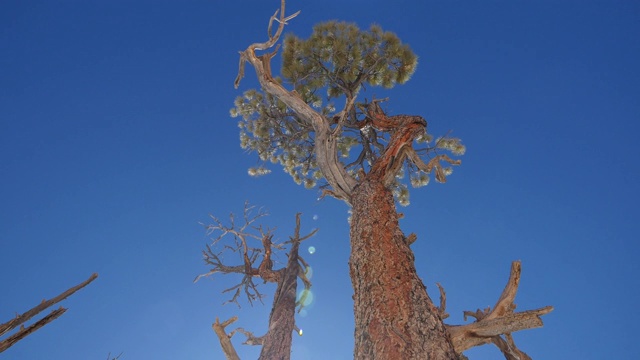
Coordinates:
13 339
491 325
225 340
115 358
20 319
249 254
443 303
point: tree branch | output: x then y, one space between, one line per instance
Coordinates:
225 340
13 339
20 319
11 324
325 142
490 325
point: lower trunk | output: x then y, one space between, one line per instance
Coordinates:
394 316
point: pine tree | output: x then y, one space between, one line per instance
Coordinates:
314 122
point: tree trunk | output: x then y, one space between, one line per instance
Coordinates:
277 341
394 316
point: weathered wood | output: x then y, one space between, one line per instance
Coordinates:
13 339
490 325
225 340
13 323
278 339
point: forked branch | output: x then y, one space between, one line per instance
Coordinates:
495 326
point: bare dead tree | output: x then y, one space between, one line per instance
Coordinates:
257 263
19 320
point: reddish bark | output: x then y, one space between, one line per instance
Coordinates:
395 318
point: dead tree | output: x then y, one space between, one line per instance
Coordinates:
394 316
19 320
257 263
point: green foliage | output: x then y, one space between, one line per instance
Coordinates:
340 57
278 135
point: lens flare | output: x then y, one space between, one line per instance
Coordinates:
305 297
308 272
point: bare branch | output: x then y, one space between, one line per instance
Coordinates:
251 339
13 339
11 324
491 325
225 340
242 235
443 303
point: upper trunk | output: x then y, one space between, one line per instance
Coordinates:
394 316
277 341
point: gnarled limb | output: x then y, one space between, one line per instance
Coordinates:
491 325
325 140
404 130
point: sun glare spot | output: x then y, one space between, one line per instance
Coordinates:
305 297
312 249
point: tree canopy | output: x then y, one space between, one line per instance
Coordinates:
335 65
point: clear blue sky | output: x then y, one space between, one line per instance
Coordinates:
115 141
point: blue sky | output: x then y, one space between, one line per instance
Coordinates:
115 142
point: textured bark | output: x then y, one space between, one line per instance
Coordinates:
394 316
277 341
